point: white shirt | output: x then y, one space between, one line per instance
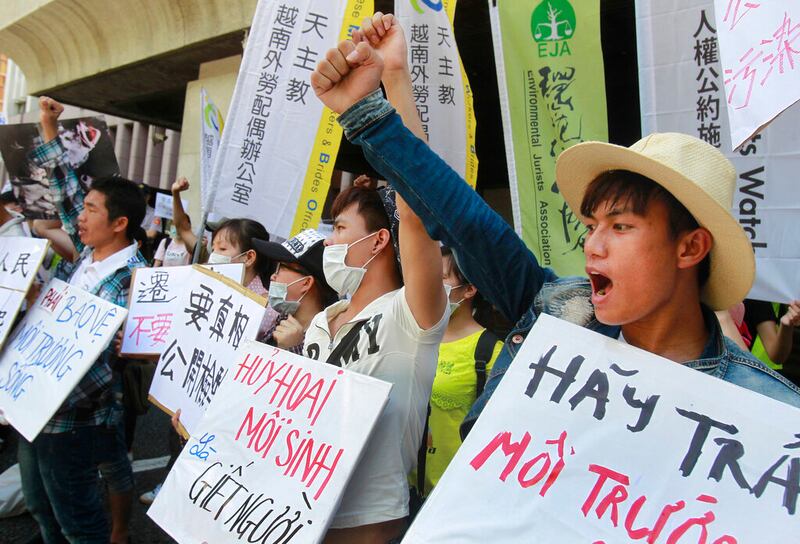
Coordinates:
174 254
89 272
391 347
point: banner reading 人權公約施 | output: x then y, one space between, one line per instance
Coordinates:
682 90
552 96
279 146
439 83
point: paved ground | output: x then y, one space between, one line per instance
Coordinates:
149 448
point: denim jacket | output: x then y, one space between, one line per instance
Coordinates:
494 258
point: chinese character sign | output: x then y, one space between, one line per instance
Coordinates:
440 85
51 349
552 96
271 458
20 259
211 124
213 316
273 125
682 89
153 304
759 45
588 439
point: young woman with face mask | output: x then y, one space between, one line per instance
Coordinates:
232 242
172 251
466 343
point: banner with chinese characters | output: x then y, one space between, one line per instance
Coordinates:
588 439
20 259
759 43
681 90
211 125
273 455
217 315
154 304
279 146
440 85
552 96
54 345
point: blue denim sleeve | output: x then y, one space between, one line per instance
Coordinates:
488 251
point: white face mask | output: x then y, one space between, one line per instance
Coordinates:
452 305
217 258
277 297
344 279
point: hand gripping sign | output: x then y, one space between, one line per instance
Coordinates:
273 453
57 342
589 440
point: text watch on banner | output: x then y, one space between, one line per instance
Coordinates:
20 259
682 90
217 315
55 344
440 86
588 439
279 146
273 455
552 96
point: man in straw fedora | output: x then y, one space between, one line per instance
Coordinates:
662 249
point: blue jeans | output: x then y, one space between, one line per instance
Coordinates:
60 482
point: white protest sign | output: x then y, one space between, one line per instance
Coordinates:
589 440
439 83
273 454
51 349
20 259
153 304
681 90
759 44
272 145
164 205
217 316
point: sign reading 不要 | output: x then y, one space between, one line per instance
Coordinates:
273 453
588 440
49 352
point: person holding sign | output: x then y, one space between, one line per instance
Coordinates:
59 468
297 290
662 248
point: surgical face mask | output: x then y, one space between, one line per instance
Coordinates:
344 279
217 258
452 305
173 233
277 297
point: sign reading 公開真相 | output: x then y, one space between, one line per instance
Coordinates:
273 453
51 349
587 439
214 316
154 305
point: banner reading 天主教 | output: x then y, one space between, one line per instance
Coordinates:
552 96
439 83
279 146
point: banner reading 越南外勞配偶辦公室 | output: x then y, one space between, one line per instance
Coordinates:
279 146
552 96
439 83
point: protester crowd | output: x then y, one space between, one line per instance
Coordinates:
421 284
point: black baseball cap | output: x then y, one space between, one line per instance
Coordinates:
305 249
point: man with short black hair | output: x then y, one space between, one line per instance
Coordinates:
59 468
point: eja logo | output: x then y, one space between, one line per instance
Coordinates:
213 117
435 5
552 25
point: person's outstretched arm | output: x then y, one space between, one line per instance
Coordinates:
179 216
778 340
489 252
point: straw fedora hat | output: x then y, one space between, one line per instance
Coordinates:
696 174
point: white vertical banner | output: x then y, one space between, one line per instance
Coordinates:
272 124
759 45
681 85
211 124
440 85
